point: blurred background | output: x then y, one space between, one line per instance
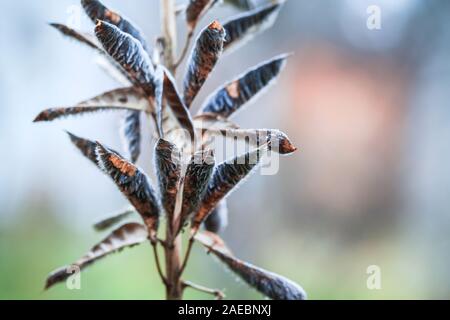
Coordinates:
369 186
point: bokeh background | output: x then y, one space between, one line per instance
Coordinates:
369 186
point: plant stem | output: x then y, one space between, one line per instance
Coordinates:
172 249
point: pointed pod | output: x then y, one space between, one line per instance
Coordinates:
168 170
128 235
270 284
244 27
97 11
217 221
196 180
203 59
241 4
237 93
114 219
226 178
133 183
132 134
119 99
128 53
251 138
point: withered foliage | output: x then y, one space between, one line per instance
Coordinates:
128 235
192 187
271 285
235 94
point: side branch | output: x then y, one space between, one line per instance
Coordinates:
215 292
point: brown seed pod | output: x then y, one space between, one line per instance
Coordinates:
198 174
86 39
251 139
226 178
132 134
217 221
168 170
126 236
196 9
97 11
244 27
271 285
128 53
133 183
114 219
234 95
119 99
208 48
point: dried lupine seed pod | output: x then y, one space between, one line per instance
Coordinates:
217 221
212 121
195 10
271 285
97 11
128 53
177 106
168 169
132 134
244 27
208 48
251 139
86 39
114 219
234 95
226 178
119 99
133 183
198 174
126 236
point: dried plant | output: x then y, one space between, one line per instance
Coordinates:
192 187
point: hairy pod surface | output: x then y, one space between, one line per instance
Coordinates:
128 53
198 174
168 169
97 11
226 178
244 27
133 183
195 10
235 94
77 35
206 53
128 235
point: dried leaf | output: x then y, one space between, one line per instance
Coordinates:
198 174
97 11
234 95
114 219
251 139
196 9
128 53
133 183
208 48
244 27
271 285
217 221
226 178
168 168
132 134
86 39
119 99
128 235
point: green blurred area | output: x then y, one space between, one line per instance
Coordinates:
31 249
